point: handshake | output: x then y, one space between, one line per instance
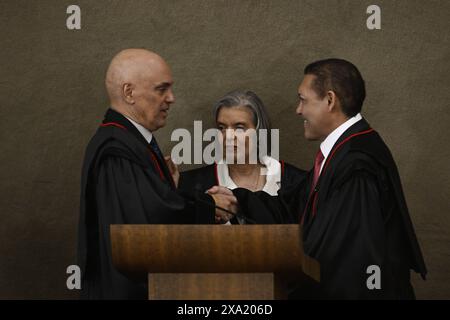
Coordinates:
223 198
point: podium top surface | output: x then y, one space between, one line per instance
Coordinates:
141 249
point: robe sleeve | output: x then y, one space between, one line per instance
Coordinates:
353 240
127 193
130 193
261 208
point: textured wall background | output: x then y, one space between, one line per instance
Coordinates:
52 99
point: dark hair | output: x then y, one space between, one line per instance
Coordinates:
343 78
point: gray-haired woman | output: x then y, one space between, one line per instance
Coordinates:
235 115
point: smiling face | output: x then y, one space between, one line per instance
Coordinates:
314 110
237 121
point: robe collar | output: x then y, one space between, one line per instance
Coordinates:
330 140
359 128
112 117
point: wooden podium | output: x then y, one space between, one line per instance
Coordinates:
209 262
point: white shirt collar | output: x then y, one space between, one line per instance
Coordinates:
144 131
272 172
331 139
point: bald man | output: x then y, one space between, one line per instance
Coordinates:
125 178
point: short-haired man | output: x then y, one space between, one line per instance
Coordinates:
125 178
354 215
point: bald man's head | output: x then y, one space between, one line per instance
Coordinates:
139 84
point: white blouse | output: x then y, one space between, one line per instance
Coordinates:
272 171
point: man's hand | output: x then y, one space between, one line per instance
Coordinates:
224 198
173 169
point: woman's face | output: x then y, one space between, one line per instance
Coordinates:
238 141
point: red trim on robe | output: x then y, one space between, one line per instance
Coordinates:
313 209
341 143
114 124
155 161
282 168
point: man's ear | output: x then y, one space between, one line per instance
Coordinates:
127 92
332 100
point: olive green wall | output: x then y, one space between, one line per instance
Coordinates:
52 100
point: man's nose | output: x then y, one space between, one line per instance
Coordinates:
299 109
170 98
230 136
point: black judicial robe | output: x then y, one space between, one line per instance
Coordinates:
124 183
259 207
357 217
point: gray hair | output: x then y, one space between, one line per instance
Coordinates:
250 100
247 99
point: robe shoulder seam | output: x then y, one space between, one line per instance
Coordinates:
116 150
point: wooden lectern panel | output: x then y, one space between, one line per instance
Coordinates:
142 249
214 286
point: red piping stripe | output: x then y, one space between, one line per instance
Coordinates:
114 124
323 170
341 143
314 204
155 161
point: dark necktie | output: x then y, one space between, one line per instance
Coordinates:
317 164
156 150
160 158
